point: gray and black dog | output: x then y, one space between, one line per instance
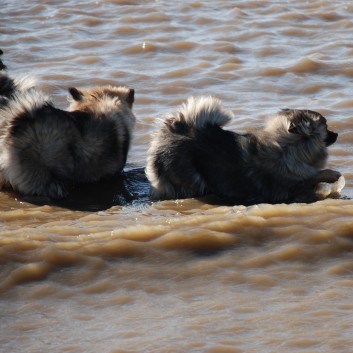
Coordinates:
192 155
44 150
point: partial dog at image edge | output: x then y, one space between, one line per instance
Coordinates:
191 155
45 150
10 86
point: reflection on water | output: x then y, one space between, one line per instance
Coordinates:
129 188
108 270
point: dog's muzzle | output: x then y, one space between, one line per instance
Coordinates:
330 138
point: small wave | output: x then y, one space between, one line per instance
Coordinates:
141 48
150 18
305 65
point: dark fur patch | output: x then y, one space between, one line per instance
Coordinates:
130 97
2 65
177 126
125 144
7 86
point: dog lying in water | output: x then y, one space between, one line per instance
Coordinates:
44 150
191 156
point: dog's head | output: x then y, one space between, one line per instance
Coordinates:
309 125
94 99
304 135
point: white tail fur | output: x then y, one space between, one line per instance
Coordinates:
25 83
23 102
202 111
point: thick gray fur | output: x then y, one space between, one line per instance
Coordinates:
192 155
45 150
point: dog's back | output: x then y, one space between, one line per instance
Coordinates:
106 126
192 155
44 149
37 145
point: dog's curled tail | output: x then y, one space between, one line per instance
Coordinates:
201 112
23 103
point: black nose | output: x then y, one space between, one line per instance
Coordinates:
330 138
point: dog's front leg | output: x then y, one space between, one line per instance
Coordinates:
327 176
330 183
319 187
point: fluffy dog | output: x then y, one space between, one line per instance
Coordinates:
191 156
44 150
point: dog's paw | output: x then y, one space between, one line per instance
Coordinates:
328 176
326 189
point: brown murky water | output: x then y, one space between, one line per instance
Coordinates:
108 271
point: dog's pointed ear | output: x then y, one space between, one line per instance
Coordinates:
130 97
75 93
293 129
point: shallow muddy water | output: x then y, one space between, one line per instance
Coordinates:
109 271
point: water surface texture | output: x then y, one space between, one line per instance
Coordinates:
108 271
